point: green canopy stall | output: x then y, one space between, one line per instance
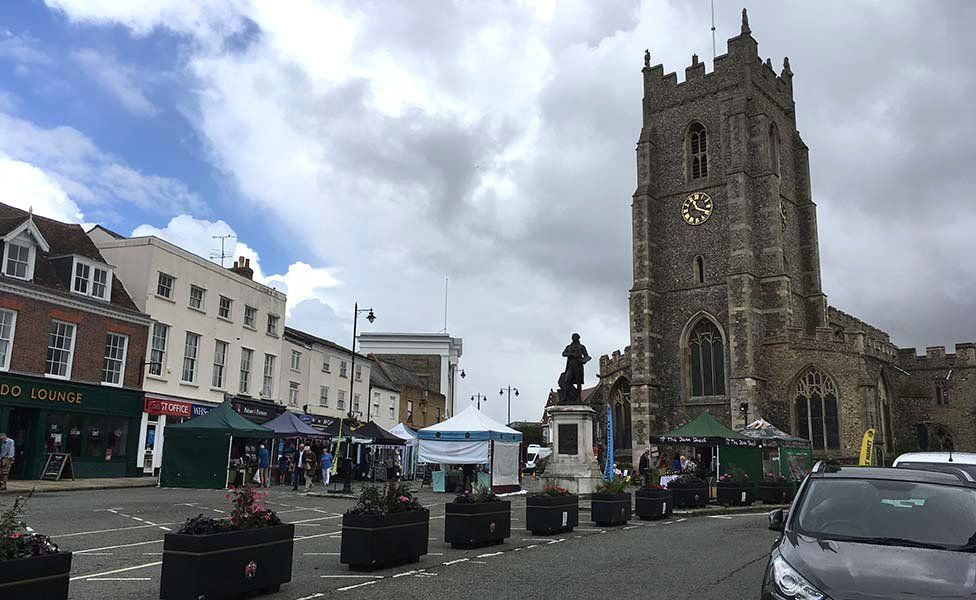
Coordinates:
793 455
732 449
198 452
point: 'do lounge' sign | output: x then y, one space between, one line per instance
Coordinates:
36 392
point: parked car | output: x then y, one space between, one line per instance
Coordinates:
535 458
938 461
872 533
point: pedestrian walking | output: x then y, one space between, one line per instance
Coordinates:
326 466
6 459
282 468
264 464
296 466
644 464
309 462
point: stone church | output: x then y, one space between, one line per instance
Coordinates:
727 311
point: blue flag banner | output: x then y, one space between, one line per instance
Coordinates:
608 468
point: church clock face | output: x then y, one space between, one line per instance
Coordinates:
696 208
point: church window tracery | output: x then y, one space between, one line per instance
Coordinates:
707 364
698 151
816 409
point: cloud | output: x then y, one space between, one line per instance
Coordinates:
118 80
29 188
22 49
494 143
92 178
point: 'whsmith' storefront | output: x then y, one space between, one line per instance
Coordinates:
98 425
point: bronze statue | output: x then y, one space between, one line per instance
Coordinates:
571 380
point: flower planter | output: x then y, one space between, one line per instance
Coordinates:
470 525
608 510
690 497
735 494
35 577
650 504
376 541
225 565
546 515
775 492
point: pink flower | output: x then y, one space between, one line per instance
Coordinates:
404 499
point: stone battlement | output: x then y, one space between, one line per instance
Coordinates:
936 357
615 362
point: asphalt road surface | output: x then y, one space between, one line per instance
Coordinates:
116 537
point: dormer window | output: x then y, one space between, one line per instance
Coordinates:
19 263
20 246
90 279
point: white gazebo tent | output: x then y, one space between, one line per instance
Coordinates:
408 460
472 438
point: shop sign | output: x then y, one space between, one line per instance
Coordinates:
173 408
200 409
42 393
48 394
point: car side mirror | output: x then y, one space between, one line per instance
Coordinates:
777 520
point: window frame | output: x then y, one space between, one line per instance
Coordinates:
324 396
203 299
89 279
814 392
229 311
272 319
296 360
343 368
267 378
694 342
294 392
195 358
697 134
359 373
71 350
162 353
244 381
159 284
122 361
222 372
5 363
341 400
326 363
254 317
31 258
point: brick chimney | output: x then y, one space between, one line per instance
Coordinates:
242 266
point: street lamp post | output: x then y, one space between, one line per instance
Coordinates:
352 374
509 389
478 398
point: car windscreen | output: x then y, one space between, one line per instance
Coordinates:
894 512
931 466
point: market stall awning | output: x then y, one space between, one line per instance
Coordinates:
771 436
223 419
288 424
470 425
378 435
405 433
703 430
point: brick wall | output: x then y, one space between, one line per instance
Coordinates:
426 366
420 418
29 354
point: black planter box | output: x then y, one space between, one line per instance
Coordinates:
775 492
376 541
690 497
608 510
225 565
36 577
735 494
650 504
477 524
546 515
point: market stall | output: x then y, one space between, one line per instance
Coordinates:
290 430
408 458
212 451
383 451
782 453
472 438
731 449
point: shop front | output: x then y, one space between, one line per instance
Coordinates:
97 425
256 411
158 412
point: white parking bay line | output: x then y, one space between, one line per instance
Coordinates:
455 561
680 520
719 517
96 554
349 587
64 535
314 519
352 576
405 573
119 546
489 554
120 579
82 577
317 535
321 554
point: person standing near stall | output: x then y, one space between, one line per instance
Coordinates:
308 465
326 465
6 459
264 466
297 466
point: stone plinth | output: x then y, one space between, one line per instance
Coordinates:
572 464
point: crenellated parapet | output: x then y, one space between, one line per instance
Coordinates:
936 357
616 363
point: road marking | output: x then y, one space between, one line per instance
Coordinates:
321 554
405 573
680 520
632 527
667 522
719 517
489 554
588 529
152 553
455 561
138 519
119 546
97 554
532 546
349 587
107 509
166 529
318 595
351 576
120 579
152 564
313 519
438 517
539 539
435 554
317 535
308 524
64 535
478 562
551 542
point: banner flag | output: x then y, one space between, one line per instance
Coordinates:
867 448
608 468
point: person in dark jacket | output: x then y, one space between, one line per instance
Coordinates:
644 465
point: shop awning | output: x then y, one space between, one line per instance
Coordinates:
405 433
288 424
225 420
470 425
377 435
703 430
770 436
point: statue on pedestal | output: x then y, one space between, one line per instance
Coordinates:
571 380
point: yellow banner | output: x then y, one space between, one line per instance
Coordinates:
867 448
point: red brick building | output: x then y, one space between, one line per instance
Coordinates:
72 344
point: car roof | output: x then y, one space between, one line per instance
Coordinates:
966 458
889 474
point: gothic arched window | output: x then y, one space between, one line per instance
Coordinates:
698 151
816 409
622 420
707 364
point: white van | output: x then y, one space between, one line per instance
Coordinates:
535 456
935 461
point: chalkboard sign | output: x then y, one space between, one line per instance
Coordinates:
568 439
58 465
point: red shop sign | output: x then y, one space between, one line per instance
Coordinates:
155 406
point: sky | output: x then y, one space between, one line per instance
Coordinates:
367 151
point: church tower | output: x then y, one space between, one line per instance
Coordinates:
725 249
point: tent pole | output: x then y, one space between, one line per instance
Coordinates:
227 467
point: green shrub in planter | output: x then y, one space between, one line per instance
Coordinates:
553 510
31 566
385 528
